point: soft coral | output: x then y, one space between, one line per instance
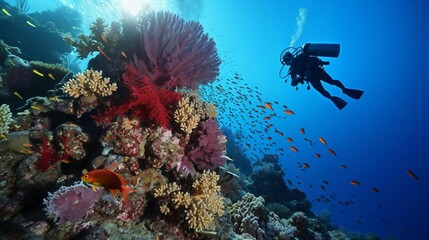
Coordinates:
145 101
47 155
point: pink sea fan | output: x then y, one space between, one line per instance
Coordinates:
71 203
210 147
175 52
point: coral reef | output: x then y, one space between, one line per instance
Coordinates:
176 53
201 205
5 120
144 119
268 174
249 215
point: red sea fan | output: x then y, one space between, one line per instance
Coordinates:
175 52
210 147
146 101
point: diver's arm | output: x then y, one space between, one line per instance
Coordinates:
294 79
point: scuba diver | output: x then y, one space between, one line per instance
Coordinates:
305 66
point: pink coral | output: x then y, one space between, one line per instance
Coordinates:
71 203
175 52
209 149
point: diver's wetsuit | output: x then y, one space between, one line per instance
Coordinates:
308 68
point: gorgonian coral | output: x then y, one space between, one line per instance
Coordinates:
208 150
175 52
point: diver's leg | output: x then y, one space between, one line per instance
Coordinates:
324 76
318 86
340 103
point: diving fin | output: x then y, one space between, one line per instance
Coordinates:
340 103
353 93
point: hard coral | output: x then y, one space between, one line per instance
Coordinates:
89 84
208 150
200 205
5 119
186 116
175 52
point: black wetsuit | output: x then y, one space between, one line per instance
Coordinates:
309 68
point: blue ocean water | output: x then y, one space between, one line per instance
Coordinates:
379 137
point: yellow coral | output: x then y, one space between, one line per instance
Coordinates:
201 206
5 120
186 116
90 83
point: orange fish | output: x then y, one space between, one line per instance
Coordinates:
268 105
301 130
289 112
306 165
354 182
110 180
322 140
374 190
269 138
318 155
332 152
267 118
294 149
412 175
289 139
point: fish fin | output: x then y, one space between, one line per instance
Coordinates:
114 192
125 191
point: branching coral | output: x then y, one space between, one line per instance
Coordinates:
191 110
89 84
88 44
5 120
175 52
208 151
200 206
186 116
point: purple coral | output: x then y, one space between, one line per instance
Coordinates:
210 147
71 203
175 52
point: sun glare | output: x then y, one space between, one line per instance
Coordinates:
133 7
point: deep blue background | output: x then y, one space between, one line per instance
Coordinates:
384 51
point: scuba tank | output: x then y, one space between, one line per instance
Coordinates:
321 49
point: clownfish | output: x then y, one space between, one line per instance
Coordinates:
109 180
